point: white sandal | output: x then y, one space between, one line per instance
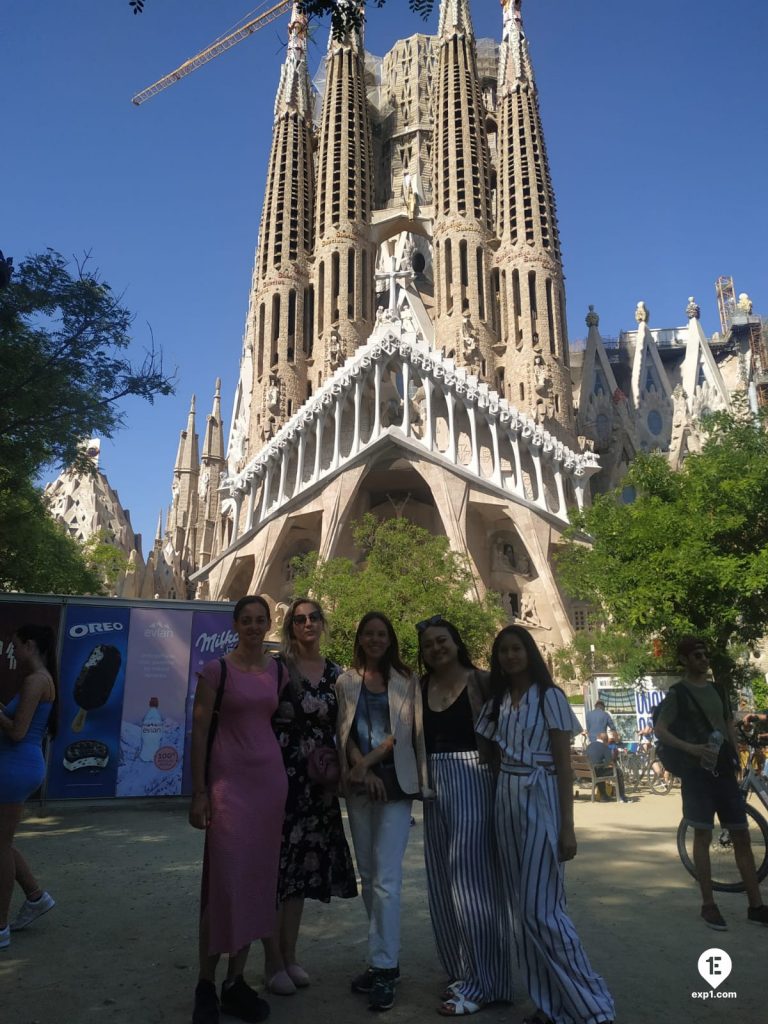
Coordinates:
458 1006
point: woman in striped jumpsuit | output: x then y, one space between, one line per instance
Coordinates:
470 919
531 721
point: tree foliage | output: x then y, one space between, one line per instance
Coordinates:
63 341
688 555
63 337
37 555
408 574
104 559
344 14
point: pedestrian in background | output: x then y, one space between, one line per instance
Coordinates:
24 722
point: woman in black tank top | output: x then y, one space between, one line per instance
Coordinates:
469 918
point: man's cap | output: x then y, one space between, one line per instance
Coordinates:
688 644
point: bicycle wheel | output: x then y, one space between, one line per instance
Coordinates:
725 875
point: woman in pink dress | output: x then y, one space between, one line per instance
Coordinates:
240 801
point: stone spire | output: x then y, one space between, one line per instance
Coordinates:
211 470
532 295
278 328
454 19
465 310
345 254
183 513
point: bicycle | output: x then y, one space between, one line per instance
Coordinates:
637 766
725 875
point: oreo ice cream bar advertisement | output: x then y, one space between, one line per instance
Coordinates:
86 752
152 731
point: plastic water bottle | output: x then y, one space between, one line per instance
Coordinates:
151 731
709 757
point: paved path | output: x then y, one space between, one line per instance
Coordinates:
120 945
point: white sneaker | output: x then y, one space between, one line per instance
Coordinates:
5 937
29 911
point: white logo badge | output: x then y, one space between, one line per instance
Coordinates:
714 966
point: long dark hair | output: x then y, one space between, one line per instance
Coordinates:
537 667
391 659
463 655
45 641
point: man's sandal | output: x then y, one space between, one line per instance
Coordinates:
458 1006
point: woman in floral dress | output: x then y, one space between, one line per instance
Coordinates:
315 862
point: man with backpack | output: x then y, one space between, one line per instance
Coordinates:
690 722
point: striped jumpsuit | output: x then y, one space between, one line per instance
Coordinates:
470 919
559 977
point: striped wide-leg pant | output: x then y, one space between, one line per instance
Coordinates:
559 977
470 917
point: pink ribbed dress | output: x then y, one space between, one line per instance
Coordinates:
248 788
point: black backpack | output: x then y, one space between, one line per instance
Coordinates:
693 728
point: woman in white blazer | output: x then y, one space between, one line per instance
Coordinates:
383 766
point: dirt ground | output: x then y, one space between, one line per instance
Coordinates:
120 945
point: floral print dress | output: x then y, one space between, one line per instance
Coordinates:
315 861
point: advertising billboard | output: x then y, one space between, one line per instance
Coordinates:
86 751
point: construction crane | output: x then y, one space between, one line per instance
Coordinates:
225 43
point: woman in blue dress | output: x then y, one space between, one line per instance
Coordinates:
23 724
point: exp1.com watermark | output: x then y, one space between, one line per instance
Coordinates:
714 966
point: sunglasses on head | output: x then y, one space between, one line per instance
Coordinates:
436 620
302 620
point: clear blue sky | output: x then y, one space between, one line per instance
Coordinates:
654 114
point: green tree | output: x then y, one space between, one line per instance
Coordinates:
63 338
104 559
408 574
37 555
63 342
688 555
344 14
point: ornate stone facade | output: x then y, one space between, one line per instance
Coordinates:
406 350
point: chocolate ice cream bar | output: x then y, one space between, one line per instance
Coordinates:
94 684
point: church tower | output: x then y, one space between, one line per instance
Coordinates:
345 254
534 369
182 515
278 332
212 466
461 183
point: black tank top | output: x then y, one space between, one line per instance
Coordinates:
449 731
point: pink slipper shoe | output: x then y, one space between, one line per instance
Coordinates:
280 984
298 975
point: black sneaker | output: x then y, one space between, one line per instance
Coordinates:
758 915
239 1000
382 995
713 918
364 982
206 1009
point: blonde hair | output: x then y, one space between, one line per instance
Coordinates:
288 640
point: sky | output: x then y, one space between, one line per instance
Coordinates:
654 115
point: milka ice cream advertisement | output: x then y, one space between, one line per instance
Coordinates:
93 657
152 730
212 637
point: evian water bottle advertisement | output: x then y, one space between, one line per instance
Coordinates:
212 637
152 730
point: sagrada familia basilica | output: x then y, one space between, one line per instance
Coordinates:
405 349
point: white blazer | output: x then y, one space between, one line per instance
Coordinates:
406 721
